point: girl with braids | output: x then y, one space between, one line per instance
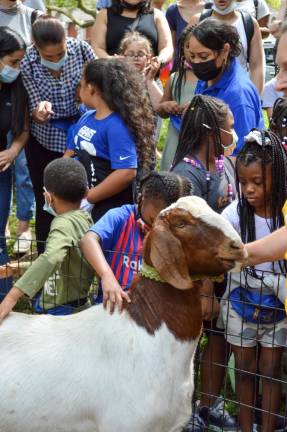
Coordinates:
178 92
252 309
213 48
113 245
114 140
206 135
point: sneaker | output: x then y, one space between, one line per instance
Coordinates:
23 243
195 424
218 418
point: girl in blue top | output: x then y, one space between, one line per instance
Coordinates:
212 51
114 140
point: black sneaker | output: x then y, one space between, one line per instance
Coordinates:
195 424
217 418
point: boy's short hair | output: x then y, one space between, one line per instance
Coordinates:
66 179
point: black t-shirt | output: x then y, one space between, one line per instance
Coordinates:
5 114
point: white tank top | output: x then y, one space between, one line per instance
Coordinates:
238 24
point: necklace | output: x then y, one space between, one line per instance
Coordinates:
220 170
150 272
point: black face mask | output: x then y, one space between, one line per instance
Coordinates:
133 7
206 71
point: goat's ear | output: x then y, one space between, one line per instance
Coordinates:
167 257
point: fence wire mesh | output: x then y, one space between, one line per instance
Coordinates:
240 369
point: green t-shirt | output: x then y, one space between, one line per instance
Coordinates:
60 272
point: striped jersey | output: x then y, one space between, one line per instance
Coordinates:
121 236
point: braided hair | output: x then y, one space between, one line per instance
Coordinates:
270 152
164 186
204 115
179 64
278 122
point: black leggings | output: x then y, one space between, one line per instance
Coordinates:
38 158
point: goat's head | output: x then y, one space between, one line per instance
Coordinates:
189 239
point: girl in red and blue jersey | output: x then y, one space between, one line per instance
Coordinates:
113 246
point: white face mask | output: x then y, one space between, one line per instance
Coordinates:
225 11
228 150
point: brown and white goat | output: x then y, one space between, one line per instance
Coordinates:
129 372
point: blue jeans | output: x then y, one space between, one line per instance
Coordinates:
5 199
24 189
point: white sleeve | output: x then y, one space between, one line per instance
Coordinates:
269 94
263 9
231 215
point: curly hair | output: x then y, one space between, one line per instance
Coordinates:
134 36
214 35
124 91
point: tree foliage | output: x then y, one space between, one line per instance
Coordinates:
69 8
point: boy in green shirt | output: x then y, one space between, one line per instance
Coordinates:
59 279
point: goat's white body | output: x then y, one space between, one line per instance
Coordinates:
92 372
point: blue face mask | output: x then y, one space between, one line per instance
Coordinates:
54 66
8 74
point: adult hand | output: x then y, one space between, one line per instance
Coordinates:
113 293
170 107
7 157
43 112
152 69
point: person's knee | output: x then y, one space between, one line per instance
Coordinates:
245 364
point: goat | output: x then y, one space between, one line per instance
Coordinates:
128 372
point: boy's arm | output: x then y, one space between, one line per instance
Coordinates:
112 291
9 302
46 264
270 248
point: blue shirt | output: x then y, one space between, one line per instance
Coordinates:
236 89
121 237
108 138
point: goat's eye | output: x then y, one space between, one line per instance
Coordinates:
180 225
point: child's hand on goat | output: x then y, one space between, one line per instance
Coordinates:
9 302
113 293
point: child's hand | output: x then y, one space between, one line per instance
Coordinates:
113 292
170 107
152 69
9 302
210 308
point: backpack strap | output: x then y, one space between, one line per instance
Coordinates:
256 8
249 30
34 16
205 14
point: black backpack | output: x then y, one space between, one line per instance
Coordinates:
247 23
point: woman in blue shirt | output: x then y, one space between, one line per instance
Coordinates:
213 48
